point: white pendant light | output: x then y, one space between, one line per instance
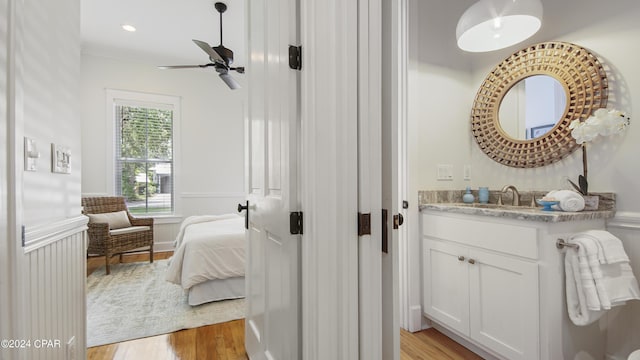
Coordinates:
496 24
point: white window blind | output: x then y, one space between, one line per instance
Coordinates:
144 156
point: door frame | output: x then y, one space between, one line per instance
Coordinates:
370 177
400 43
329 175
335 111
7 238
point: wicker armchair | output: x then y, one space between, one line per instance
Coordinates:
109 237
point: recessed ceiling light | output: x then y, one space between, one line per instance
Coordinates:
129 28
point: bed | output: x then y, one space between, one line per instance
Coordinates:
209 259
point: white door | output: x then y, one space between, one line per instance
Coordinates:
272 324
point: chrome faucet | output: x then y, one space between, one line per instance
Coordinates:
516 194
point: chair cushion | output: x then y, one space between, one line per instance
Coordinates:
128 230
116 220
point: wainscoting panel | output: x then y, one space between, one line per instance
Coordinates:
623 334
53 299
206 203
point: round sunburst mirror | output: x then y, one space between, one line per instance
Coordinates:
575 86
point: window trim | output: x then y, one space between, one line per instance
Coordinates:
136 98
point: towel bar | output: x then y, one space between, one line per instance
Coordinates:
560 243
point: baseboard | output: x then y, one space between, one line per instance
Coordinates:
415 318
163 247
464 342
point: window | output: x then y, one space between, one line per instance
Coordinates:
144 153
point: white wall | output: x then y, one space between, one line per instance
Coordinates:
39 89
440 97
443 83
610 32
210 157
6 246
50 65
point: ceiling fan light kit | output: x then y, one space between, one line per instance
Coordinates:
490 25
221 57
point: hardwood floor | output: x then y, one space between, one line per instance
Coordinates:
95 262
225 341
432 344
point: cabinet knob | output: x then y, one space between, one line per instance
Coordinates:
471 261
460 258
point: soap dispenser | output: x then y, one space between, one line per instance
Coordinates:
468 196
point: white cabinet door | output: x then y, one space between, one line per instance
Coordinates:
272 324
503 299
446 278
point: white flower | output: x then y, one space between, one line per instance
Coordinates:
602 122
584 133
575 123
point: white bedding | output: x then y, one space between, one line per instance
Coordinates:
208 248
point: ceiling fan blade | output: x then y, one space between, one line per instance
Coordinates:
181 66
213 55
239 69
231 82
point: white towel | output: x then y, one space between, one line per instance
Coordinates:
620 283
610 249
569 200
576 299
594 286
591 274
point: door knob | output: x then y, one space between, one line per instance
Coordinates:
397 220
472 261
460 258
246 216
243 207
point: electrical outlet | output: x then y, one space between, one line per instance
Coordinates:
467 172
444 172
72 349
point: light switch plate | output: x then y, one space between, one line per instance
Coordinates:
444 172
60 159
31 155
467 172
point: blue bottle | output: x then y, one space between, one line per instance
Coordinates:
468 197
483 195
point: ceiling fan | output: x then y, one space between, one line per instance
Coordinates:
220 56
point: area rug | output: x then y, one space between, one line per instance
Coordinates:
135 302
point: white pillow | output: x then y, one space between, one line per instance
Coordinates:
116 220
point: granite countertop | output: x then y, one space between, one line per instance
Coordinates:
451 201
518 212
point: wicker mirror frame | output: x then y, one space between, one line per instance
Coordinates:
581 75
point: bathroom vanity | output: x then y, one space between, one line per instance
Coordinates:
493 276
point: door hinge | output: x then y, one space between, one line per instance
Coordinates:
295 222
24 236
364 224
385 231
295 57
